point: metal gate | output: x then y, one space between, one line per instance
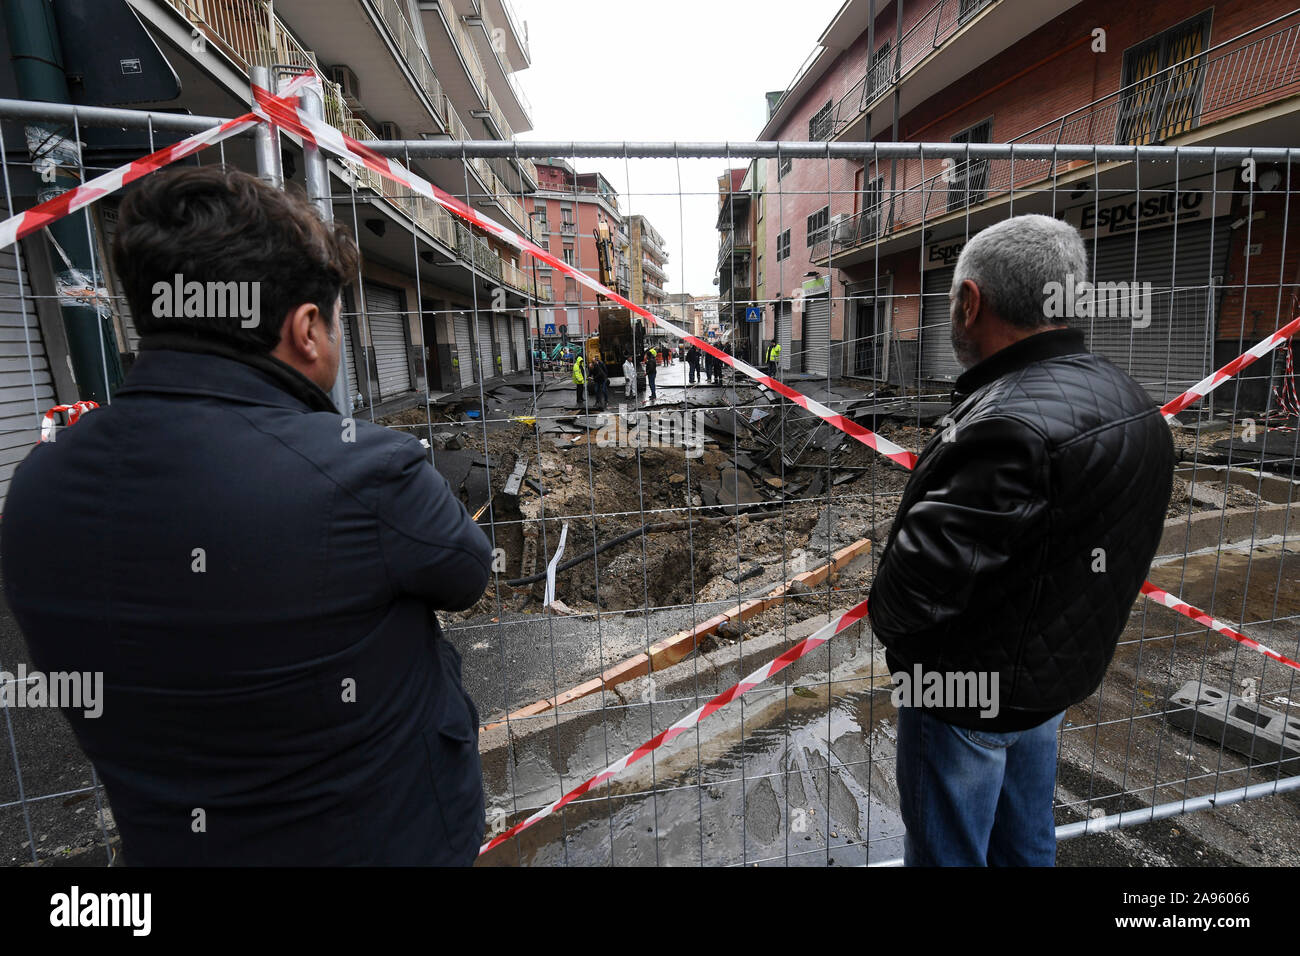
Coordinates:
817 334
503 344
387 320
1170 348
938 361
485 354
24 394
464 348
521 344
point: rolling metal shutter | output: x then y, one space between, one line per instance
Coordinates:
521 344
388 332
503 348
485 355
783 335
464 348
1176 349
349 321
938 362
26 392
817 334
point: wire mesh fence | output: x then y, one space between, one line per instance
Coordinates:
656 543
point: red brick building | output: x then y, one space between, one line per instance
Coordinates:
859 254
565 211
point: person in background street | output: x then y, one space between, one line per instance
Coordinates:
693 362
651 369
266 572
1051 460
629 377
579 381
600 381
773 358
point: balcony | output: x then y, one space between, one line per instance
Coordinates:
650 288
568 228
653 268
1174 106
483 29
652 243
929 33
243 31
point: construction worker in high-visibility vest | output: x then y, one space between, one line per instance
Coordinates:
773 357
579 378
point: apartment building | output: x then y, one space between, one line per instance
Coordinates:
566 211
438 306
738 266
648 258
859 266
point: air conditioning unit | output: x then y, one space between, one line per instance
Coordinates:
389 131
348 85
841 227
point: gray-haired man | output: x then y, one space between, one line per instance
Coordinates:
1019 546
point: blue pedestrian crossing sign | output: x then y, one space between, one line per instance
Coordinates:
753 314
550 329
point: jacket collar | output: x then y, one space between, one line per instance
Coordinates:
1034 348
197 367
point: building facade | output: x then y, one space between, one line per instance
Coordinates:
566 211
648 257
437 305
859 254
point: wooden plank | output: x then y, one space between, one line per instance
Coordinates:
674 649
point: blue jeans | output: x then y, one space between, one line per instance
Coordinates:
974 797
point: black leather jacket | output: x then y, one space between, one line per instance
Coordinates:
1051 465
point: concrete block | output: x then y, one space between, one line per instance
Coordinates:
1247 727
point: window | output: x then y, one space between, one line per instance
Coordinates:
568 255
758 272
817 225
819 127
1162 79
760 208
783 246
783 167
968 181
570 290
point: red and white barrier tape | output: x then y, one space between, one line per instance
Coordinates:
764 673
325 136
1200 617
1208 384
71 412
28 221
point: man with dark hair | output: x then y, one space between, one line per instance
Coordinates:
1019 546
262 575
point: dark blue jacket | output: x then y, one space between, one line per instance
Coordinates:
259 593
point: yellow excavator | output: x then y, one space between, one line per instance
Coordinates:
619 333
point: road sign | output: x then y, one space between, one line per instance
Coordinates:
753 314
550 329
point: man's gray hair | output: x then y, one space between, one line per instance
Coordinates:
1013 261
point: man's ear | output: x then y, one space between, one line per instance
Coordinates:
970 301
301 331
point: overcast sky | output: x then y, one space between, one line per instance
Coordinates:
686 70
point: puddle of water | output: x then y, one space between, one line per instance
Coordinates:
782 796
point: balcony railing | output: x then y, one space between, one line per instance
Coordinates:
489 30
649 265
651 242
651 288
244 31
1243 73
928 34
